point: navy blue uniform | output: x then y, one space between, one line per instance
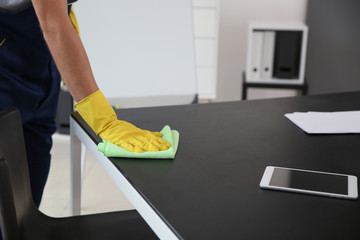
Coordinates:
30 82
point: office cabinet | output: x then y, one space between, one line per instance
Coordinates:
276 53
64 109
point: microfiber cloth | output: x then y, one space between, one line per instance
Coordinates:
172 136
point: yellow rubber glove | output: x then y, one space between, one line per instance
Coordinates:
101 117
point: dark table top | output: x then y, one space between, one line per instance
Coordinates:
211 189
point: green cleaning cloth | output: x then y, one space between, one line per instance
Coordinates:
172 136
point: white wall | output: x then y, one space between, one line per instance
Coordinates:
141 52
234 16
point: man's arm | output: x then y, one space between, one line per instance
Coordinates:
72 61
66 47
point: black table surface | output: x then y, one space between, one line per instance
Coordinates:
211 189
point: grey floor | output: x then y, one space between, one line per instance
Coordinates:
99 193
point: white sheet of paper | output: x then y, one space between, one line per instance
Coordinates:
327 122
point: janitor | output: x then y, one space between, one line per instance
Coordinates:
38 44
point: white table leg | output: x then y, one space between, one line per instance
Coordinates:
75 171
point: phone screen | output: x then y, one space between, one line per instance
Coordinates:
321 182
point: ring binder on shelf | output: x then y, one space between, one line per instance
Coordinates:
268 55
287 54
256 54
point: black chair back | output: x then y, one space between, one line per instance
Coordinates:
15 200
8 220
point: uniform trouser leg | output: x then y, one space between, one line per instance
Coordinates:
38 125
38 143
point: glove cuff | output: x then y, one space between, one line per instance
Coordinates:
96 111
